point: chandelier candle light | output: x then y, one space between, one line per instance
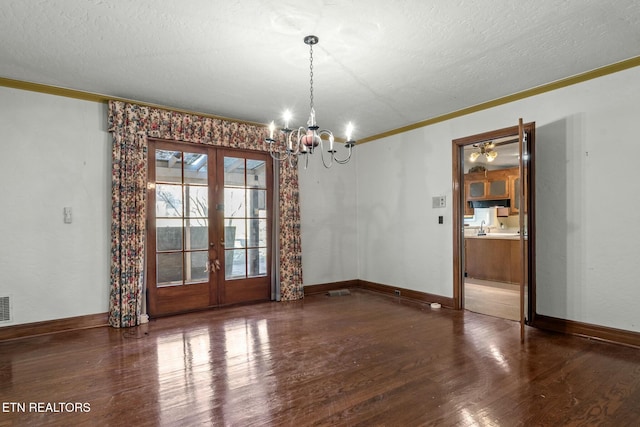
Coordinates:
303 140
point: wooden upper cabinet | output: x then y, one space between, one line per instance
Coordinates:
498 186
489 185
514 183
515 193
501 184
474 189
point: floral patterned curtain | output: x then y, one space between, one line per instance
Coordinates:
131 125
290 242
128 192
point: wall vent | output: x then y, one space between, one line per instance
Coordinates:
5 309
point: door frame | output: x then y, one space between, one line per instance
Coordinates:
458 213
248 289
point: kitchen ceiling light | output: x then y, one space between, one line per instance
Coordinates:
303 140
486 149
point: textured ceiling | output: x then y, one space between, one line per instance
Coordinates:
381 64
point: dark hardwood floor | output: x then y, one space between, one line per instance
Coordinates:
363 359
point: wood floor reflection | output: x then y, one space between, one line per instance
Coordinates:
362 359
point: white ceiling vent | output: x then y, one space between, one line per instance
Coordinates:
5 309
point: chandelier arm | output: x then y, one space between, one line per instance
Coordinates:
279 156
275 153
293 148
346 159
324 163
331 150
349 144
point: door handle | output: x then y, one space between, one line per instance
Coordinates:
212 266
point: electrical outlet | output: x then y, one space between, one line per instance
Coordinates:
397 292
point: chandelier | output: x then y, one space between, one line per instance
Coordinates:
304 140
486 149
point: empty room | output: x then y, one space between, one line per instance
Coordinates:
321 213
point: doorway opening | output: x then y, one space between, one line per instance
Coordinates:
494 232
491 227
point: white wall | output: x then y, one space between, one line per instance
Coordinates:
55 153
587 144
370 219
399 239
328 214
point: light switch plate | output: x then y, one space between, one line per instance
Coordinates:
439 201
67 215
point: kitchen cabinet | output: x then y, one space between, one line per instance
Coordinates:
487 185
493 259
468 210
514 183
515 194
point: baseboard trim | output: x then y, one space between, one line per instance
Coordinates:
571 327
53 326
618 336
408 294
326 287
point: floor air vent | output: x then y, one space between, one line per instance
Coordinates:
339 292
5 309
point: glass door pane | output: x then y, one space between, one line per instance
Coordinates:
245 218
181 217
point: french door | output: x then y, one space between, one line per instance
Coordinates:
209 227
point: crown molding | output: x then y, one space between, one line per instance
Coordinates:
104 99
558 84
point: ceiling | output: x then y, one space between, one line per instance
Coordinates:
381 64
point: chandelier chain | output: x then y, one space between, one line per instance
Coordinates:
311 75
